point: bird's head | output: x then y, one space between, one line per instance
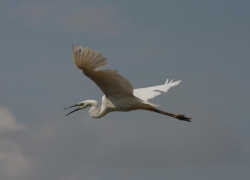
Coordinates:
80 105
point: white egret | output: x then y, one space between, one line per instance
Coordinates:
119 94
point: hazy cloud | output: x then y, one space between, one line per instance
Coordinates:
13 163
78 147
8 122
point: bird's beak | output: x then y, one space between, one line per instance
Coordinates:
71 106
76 105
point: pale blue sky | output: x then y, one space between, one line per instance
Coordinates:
203 43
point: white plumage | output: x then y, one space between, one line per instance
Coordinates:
150 92
109 81
119 94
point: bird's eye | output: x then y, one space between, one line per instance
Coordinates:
82 104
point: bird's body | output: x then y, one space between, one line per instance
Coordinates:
119 94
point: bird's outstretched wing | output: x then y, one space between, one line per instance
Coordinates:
108 80
151 92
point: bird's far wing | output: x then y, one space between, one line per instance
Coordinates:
109 81
151 92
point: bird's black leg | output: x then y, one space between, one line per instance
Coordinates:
181 117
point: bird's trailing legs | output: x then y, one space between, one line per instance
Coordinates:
181 117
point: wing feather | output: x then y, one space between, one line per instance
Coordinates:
151 92
109 81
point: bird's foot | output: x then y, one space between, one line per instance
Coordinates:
182 117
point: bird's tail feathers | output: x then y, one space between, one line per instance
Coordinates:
151 104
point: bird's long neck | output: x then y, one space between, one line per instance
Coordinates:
96 111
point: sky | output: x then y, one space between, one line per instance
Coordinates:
203 43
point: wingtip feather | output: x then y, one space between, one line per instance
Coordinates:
86 58
169 82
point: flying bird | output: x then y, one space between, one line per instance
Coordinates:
119 94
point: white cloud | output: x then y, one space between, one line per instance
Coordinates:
13 163
8 122
79 147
